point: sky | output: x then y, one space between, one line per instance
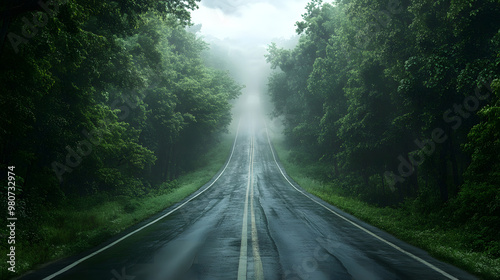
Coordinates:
254 23
244 28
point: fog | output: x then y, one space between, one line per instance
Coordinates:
239 32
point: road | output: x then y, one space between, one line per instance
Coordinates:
252 222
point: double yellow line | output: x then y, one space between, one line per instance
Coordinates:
242 267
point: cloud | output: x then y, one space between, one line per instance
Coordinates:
233 6
243 29
227 7
251 22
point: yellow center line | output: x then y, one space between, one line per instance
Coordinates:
242 267
259 274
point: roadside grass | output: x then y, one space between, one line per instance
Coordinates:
89 221
447 244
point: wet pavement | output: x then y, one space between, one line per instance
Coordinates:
251 222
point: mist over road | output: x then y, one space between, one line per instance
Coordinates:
252 222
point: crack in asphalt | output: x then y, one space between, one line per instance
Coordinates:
299 237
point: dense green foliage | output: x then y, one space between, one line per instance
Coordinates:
398 101
450 244
90 220
103 96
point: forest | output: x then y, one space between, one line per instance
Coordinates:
102 97
106 105
397 102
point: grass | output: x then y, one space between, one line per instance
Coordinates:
89 221
447 244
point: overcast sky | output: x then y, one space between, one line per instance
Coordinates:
254 22
245 28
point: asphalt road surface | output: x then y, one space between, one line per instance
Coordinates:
252 222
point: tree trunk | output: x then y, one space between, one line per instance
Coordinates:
454 167
414 182
335 167
443 188
384 195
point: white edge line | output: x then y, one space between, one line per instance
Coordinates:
147 225
355 224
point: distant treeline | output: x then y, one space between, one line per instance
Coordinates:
104 96
399 101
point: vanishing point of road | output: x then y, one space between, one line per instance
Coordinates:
251 221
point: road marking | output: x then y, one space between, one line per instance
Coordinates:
242 266
151 223
259 271
356 225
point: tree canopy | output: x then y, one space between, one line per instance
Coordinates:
398 99
109 97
